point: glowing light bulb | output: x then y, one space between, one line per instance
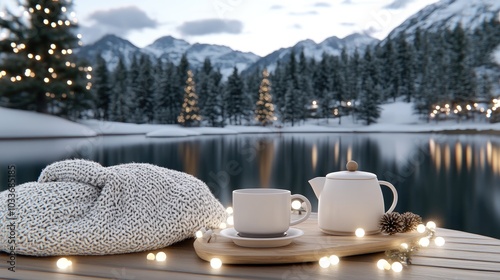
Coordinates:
424 242
334 260
431 225
296 205
360 232
223 225
439 241
230 220
161 257
199 234
404 246
383 264
63 263
421 228
216 263
397 267
69 82
229 210
150 257
324 262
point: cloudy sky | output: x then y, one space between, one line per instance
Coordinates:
258 26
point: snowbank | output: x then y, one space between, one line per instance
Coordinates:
395 117
24 124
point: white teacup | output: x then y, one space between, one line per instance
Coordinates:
265 212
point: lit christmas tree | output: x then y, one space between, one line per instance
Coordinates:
190 112
37 69
264 111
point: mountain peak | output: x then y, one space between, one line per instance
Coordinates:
447 14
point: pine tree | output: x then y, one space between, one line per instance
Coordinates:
190 112
264 109
135 115
213 104
102 89
119 107
234 98
38 70
168 107
145 94
369 109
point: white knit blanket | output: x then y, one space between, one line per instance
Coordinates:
79 207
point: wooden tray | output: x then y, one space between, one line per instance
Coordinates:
309 247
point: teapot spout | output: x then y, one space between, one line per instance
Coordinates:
317 185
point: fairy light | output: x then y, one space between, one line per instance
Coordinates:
424 242
38 57
46 21
150 257
18 78
63 9
161 257
397 267
69 82
67 22
63 263
230 220
223 225
38 7
199 234
439 241
46 80
383 264
334 259
63 51
421 228
216 263
324 262
296 204
360 232
50 51
431 225
46 10
53 24
79 36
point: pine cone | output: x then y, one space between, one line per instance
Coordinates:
391 223
411 221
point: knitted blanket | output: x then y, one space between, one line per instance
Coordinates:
79 207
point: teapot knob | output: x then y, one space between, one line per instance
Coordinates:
352 165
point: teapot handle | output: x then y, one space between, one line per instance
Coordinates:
394 192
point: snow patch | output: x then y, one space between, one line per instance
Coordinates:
25 124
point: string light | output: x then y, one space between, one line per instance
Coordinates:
324 262
383 264
296 205
161 257
150 257
421 228
216 263
424 242
360 232
439 241
397 267
431 225
63 263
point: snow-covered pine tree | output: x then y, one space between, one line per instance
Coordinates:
39 71
213 104
235 102
135 111
369 105
190 112
101 89
119 107
146 90
264 107
168 106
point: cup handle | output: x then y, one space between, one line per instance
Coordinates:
394 193
307 214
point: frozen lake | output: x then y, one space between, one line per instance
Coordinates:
451 179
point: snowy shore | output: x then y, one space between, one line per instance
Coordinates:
396 117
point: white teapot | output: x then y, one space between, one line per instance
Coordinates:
349 200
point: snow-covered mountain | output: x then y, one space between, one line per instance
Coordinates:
332 46
168 48
110 47
448 13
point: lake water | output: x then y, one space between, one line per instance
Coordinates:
451 179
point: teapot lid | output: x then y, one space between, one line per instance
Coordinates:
352 173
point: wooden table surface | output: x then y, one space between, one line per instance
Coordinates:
464 256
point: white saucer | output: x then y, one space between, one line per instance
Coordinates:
232 234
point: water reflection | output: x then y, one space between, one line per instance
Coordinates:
454 179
